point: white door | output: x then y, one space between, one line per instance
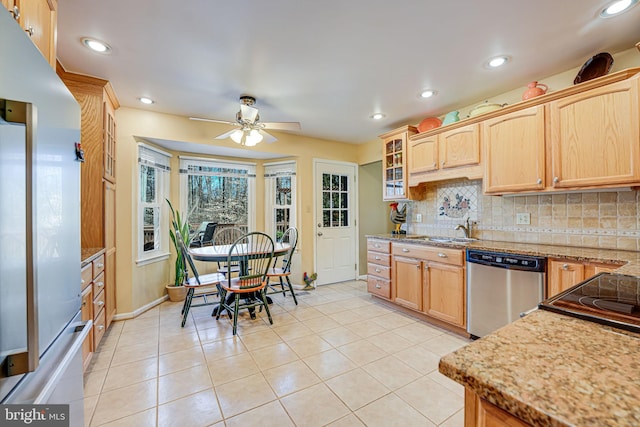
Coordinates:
335 221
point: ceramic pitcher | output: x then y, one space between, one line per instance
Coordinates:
534 89
451 117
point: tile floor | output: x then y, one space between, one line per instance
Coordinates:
339 358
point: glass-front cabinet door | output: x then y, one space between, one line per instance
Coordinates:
394 163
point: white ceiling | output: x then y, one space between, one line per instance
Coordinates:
330 64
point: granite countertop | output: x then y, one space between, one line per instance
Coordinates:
554 370
629 261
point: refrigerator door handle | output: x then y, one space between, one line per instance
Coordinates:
61 368
26 113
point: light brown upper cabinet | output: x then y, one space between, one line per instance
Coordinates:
394 163
595 138
460 147
38 18
514 151
448 154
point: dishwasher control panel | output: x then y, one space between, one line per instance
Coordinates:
504 260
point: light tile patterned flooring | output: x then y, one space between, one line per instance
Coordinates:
339 358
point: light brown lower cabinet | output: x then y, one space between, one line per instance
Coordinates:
430 280
563 274
445 293
479 412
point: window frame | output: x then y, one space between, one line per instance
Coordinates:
185 161
271 172
153 157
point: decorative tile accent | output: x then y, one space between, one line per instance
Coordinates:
457 201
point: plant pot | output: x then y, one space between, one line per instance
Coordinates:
176 293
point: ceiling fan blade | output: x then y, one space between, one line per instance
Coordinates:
281 125
201 119
248 113
267 137
226 134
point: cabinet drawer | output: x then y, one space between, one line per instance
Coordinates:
379 271
378 258
98 265
430 253
86 309
99 328
383 246
98 303
98 284
86 275
379 287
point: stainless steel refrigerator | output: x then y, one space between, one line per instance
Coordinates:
40 332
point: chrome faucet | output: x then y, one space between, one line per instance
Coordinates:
466 228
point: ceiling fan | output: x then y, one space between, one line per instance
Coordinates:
249 129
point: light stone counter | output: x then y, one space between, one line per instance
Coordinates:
553 370
629 261
550 369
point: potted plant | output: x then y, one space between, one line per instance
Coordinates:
176 290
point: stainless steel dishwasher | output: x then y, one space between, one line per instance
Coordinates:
500 286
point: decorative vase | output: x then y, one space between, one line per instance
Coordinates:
534 89
176 293
451 117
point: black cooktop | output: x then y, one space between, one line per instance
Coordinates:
607 298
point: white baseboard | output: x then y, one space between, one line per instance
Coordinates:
362 277
139 311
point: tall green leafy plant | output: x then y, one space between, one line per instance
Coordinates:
180 224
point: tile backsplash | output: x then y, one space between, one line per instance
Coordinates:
591 219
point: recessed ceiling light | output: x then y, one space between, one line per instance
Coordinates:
96 45
145 100
617 7
377 116
497 61
427 93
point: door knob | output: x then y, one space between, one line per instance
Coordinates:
539 181
556 180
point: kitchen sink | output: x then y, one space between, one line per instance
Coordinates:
462 240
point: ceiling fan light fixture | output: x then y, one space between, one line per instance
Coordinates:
617 7
253 138
236 136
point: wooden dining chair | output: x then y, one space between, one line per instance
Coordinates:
205 286
254 253
283 270
227 236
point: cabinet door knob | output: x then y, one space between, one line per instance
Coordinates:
405 250
418 266
101 327
441 255
433 165
99 284
15 12
565 266
29 31
556 180
539 181
443 163
100 303
378 286
100 265
378 258
376 245
378 270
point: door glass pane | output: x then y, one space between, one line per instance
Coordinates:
326 218
344 218
335 182
326 181
334 200
282 221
